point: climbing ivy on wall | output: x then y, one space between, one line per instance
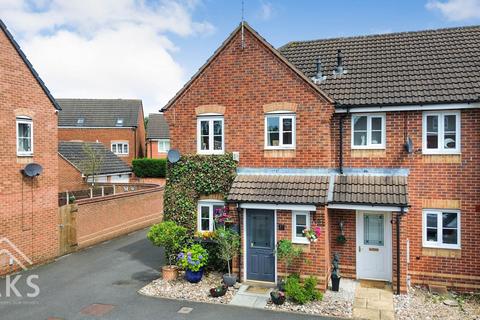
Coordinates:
192 176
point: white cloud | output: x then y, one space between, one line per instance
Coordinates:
105 49
266 11
456 10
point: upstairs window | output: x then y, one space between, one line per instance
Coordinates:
163 145
368 131
119 122
441 132
24 136
280 131
120 148
441 229
210 135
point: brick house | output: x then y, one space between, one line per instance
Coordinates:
400 185
75 170
158 136
28 205
117 123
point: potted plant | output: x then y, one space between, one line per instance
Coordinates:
287 252
312 234
229 246
278 297
335 273
218 291
192 259
222 218
172 238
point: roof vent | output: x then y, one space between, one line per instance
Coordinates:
80 121
119 122
339 67
319 77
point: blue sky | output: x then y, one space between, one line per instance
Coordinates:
149 48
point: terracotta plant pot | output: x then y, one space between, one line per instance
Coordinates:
169 273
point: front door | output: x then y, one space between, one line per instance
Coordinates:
374 246
260 245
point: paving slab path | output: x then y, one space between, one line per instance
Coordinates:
373 302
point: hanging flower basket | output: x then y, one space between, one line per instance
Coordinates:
312 234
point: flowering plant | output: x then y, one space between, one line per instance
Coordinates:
221 215
205 235
193 258
312 234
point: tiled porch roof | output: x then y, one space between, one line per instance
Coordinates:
293 189
371 190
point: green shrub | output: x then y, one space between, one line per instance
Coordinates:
149 168
229 243
287 252
302 294
193 258
170 236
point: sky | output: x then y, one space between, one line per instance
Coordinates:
148 49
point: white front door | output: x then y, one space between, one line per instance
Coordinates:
374 245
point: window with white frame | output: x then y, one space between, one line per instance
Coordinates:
300 222
24 128
210 135
368 131
280 131
206 212
163 145
441 132
441 228
120 148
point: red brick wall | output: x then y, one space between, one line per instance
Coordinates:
107 136
152 150
28 208
243 81
346 251
430 181
100 219
70 179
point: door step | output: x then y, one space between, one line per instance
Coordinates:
261 284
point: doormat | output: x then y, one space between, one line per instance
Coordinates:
258 290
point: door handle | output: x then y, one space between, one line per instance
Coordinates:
359 248
251 244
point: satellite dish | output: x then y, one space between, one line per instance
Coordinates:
173 156
409 145
32 170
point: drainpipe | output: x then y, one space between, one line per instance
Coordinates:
340 156
239 232
398 219
135 142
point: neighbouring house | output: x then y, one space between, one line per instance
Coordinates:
28 205
158 136
117 123
81 163
374 139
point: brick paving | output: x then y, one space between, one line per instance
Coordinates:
373 302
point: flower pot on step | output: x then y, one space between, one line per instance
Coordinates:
229 280
169 273
193 276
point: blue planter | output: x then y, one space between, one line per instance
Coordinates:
193 276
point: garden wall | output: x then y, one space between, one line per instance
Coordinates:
104 218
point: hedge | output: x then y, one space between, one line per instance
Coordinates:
149 168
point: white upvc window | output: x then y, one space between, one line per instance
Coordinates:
210 135
441 228
368 131
163 145
120 148
206 212
300 222
441 132
280 131
24 130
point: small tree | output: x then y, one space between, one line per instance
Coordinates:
287 252
93 161
170 236
229 243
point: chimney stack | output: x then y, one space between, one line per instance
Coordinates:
339 67
318 77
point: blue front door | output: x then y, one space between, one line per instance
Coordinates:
260 245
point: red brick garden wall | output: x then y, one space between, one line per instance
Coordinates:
28 207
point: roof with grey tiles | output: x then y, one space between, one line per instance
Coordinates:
292 189
371 190
74 152
424 67
157 127
99 112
